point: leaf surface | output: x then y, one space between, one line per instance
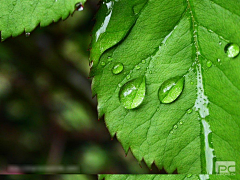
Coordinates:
165 177
18 16
162 40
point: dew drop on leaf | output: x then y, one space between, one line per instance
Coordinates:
143 61
189 111
27 34
232 50
218 60
137 67
209 64
117 68
103 63
109 58
175 126
79 6
171 89
132 93
128 77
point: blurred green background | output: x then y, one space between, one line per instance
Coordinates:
47 114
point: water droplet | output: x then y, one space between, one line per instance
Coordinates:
27 34
128 76
171 89
209 64
143 61
79 6
150 72
218 60
232 50
171 132
191 83
189 111
175 126
109 58
132 93
137 67
117 68
180 122
103 63
220 43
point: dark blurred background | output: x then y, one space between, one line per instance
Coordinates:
47 114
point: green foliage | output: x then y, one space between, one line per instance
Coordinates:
161 40
164 177
17 16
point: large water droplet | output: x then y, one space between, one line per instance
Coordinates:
171 89
132 93
79 6
117 68
232 50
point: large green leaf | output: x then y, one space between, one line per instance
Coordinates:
162 41
18 16
165 177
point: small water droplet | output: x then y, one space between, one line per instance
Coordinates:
210 30
189 111
150 72
103 63
175 126
232 50
132 93
209 64
143 61
180 122
171 89
109 58
171 132
137 67
117 68
27 34
79 6
220 43
128 76
191 83
218 60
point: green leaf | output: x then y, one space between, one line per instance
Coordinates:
160 40
165 177
18 16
